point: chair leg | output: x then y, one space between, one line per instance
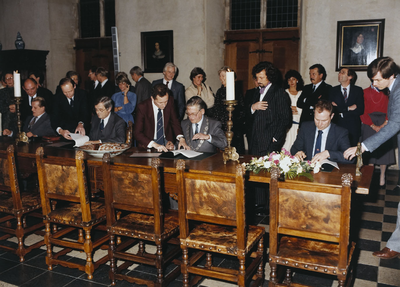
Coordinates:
48 244
88 248
184 266
208 264
159 264
80 236
113 266
19 232
242 271
141 249
260 252
288 278
273 274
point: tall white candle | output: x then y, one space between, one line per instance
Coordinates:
17 84
230 86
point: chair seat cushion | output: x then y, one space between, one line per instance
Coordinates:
293 250
72 214
30 201
221 239
139 225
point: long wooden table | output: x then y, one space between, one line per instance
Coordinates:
211 165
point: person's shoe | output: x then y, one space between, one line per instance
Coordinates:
386 253
382 186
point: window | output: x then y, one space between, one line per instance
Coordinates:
256 14
92 23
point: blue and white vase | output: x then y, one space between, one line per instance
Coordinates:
19 43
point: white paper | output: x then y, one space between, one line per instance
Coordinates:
332 163
79 139
187 153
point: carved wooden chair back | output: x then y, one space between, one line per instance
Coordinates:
307 216
129 133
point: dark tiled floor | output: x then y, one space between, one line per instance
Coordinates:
377 219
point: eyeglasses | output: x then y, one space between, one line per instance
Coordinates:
9 78
194 114
100 110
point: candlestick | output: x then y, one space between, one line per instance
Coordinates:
230 86
21 137
17 84
230 152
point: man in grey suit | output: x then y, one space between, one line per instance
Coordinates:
143 86
383 74
176 88
321 139
202 133
106 125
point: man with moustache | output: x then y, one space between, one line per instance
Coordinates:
312 93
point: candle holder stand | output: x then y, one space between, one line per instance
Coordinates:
359 160
230 152
21 137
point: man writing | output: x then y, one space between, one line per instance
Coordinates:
156 124
202 133
320 139
383 74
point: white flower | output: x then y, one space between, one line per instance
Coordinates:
276 157
286 161
285 168
317 167
299 169
267 164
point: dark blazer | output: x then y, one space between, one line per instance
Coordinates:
107 90
308 99
114 131
26 109
336 143
66 117
42 127
345 118
143 90
264 126
178 92
143 130
209 126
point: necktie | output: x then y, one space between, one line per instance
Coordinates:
71 103
197 129
102 125
345 95
318 143
160 128
167 84
262 90
32 122
313 88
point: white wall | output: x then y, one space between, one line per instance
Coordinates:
198 27
319 25
49 25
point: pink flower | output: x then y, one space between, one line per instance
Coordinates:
276 162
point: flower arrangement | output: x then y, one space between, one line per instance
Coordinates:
289 165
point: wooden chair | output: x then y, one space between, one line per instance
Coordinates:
64 180
217 204
129 133
15 206
309 229
137 193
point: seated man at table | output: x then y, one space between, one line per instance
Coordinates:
321 139
156 123
202 133
106 125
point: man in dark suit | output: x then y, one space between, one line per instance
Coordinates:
30 92
268 112
106 88
143 86
383 73
348 104
176 88
320 139
38 124
312 93
202 134
106 125
70 112
156 124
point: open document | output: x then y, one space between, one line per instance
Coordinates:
80 140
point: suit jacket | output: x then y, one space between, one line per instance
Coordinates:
107 90
345 118
42 127
114 131
26 109
393 126
178 92
336 143
66 117
208 126
265 126
308 99
143 90
143 130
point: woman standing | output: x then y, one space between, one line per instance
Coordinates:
373 119
199 88
293 86
124 101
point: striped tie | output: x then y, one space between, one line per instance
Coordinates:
160 128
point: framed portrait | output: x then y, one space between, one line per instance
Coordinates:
157 50
359 43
